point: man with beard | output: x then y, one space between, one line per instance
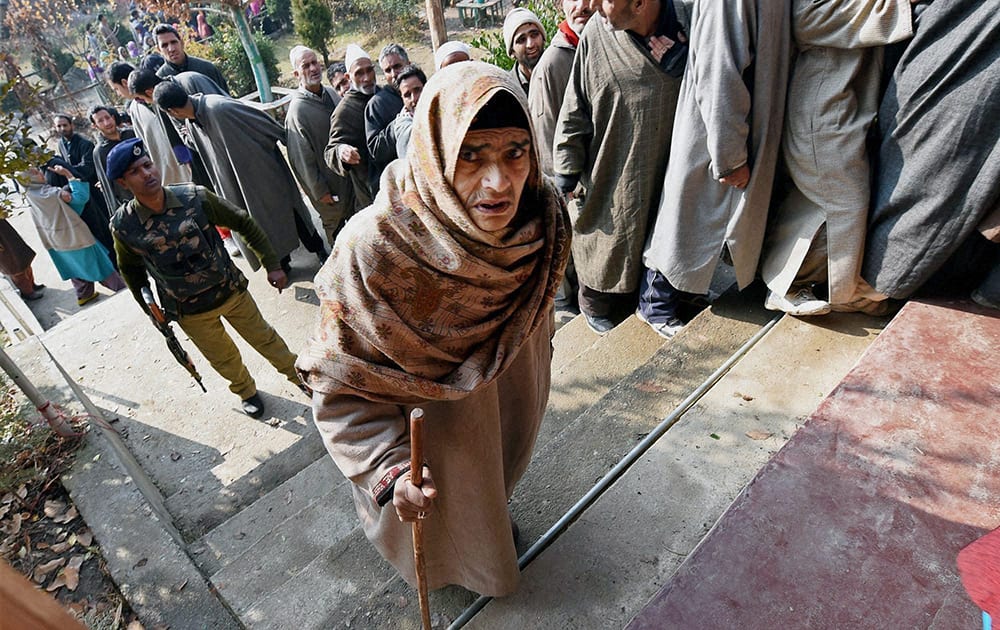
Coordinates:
307 126
170 44
346 149
611 145
239 144
105 119
524 36
439 296
78 153
382 110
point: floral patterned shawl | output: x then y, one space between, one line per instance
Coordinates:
417 303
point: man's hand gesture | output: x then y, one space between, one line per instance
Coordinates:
277 279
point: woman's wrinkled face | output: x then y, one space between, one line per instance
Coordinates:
490 173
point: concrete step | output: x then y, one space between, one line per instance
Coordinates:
240 534
595 407
254 553
611 560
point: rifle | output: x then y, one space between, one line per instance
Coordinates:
161 323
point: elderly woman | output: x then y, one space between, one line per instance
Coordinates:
76 254
440 296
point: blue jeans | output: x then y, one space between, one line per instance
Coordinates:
658 299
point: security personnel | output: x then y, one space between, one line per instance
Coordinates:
168 232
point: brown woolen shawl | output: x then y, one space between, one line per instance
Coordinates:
416 302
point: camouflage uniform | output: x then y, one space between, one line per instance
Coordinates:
196 280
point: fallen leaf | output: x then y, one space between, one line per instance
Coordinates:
61 547
15 525
758 435
44 569
3 510
85 538
72 578
714 436
141 563
42 545
79 608
58 582
68 516
22 492
273 422
54 508
135 625
174 456
76 562
7 498
650 387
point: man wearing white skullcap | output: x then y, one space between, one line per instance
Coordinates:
346 150
307 127
451 52
524 37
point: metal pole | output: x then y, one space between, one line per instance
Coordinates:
44 407
256 62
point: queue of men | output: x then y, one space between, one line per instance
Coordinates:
655 135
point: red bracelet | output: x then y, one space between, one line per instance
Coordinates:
382 491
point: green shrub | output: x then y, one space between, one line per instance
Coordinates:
313 22
226 52
62 60
491 42
280 11
395 19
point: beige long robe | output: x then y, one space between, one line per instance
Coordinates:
148 126
476 447
614 132
833 98
545 98
307 127
730 112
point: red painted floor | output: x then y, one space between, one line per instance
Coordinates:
857 521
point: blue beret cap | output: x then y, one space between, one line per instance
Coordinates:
122 156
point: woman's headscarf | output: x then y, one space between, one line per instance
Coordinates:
417 303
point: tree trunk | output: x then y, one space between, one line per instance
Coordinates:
435 20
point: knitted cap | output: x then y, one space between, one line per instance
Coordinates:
516 19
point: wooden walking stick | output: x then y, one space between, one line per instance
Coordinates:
416 478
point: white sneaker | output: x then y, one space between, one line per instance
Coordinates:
665 329
801 303
232 247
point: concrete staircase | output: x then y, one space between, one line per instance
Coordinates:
297 555
276 543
